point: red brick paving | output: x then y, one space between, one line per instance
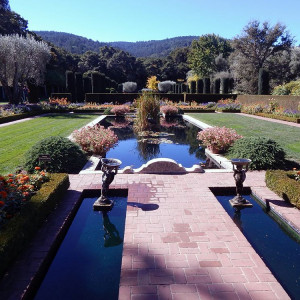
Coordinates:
189 246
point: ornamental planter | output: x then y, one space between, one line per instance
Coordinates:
215 150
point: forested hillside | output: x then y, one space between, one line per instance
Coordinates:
79 45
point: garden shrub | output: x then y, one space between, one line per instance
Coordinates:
19 230
95 139
169 110
263 152
166 86
290 88
120 110
129 87
284 185
66 156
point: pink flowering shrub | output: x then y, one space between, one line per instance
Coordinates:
219 138
95 139
169 110
120 110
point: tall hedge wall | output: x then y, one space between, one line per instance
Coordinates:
287 102
123 98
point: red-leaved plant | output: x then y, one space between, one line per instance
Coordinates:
95 139
218 138
120 110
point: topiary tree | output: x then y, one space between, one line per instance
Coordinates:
166 86
70 83
199 86
129 87
263 152
206 85
224 85
87 85
263 82
193 87
216 89
66 156
79 97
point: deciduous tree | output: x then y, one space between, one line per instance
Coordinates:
254 49
21 59
203 54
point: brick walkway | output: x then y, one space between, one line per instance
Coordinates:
187 247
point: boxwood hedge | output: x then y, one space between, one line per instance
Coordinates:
16 233
282 183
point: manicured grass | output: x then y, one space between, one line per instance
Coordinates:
18 138
286 136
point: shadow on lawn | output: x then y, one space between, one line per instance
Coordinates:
67 116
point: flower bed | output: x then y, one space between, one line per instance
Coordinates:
272 110
16 190
229 106
16 233
285 185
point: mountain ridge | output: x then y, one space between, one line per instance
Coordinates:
154 48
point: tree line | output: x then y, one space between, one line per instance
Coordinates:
259 47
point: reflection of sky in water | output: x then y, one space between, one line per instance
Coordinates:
184 148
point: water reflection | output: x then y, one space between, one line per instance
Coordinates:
111 234
177 139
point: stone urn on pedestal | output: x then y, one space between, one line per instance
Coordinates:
109 168
240 167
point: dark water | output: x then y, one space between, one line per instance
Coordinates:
279 250
88 262
178 142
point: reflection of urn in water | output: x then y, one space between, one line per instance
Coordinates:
240 167
109 168
111 234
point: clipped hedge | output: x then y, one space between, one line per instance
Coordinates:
284 186
16 233
278 117
18 117
122 98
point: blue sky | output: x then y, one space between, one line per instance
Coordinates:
143 20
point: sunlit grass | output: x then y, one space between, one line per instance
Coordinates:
286 136
18 138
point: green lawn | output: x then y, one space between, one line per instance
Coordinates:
16 139
287 136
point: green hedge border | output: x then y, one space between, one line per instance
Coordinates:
18 117
284 186
17 233
277 117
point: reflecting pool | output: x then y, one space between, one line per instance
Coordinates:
88 262
278 247
177 140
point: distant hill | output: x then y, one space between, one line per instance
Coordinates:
78 44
